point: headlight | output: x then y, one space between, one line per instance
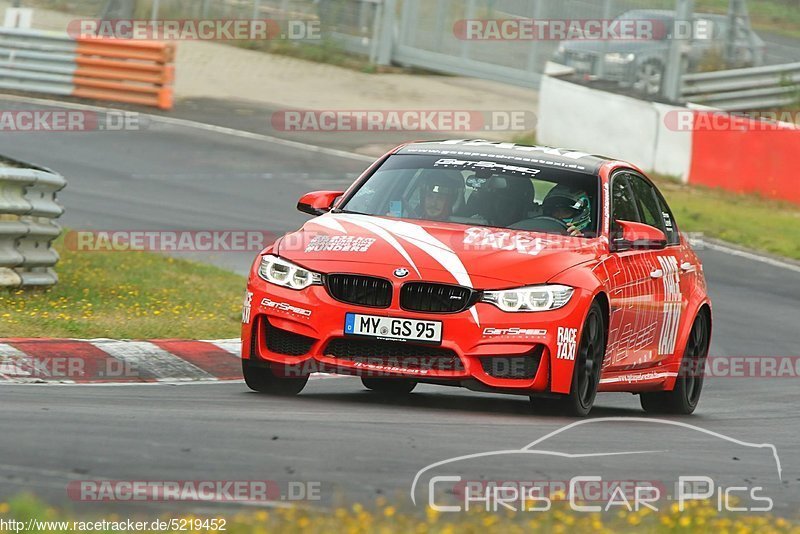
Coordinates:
285 273
620 59
530 299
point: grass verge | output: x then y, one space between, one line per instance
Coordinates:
383 517
777 16
136 295
746 220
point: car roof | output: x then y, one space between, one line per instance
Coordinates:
562 158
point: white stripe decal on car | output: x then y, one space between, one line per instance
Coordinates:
419 237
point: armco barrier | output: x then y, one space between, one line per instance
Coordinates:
767 87
133 72
701 146
28 208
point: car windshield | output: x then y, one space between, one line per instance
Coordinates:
662 23
481 192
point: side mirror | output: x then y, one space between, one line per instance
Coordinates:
638 236
318 202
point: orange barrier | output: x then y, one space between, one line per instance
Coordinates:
133 72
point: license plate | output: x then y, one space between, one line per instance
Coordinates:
394 328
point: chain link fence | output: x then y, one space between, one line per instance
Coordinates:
428 34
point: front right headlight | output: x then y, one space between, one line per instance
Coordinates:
620 59
284 273
530 299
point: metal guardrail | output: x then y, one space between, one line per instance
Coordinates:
28 208
744 89
134 72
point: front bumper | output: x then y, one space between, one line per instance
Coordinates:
586 64
299 332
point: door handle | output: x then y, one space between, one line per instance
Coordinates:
658 273
688 267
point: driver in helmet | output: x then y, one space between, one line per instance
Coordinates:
571 207
437 196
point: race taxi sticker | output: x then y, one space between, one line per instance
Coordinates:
246 305
339 243
567 343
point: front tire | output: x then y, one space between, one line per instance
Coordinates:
263 380
649 79
586 376
389 386
683 399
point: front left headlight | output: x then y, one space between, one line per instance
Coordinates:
530 299
620 59
285 273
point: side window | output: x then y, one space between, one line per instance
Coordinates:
649 209
671 227
623 205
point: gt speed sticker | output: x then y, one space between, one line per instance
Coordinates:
284 307
529 332
246 305
567 343
489 165
340 243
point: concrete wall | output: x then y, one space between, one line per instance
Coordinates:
617 126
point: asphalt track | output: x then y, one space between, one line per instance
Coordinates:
356 444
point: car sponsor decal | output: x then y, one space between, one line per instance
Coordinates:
390 368
673 299
522 148
633 378
606 208
340 243
488 165
567 342
284 307
246 305
479 237
514 331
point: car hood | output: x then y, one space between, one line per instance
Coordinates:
473 256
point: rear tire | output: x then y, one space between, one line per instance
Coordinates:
263 380
586 376
389 386
683 399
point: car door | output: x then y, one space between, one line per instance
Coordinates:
671 276
635 318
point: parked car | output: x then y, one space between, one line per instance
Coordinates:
641 63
